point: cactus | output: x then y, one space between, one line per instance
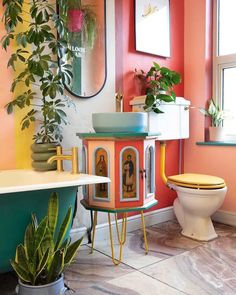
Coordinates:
43 256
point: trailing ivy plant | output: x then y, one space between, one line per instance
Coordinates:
44 39
159 82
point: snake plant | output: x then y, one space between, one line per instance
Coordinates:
44 255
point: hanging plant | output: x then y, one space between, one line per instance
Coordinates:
81 23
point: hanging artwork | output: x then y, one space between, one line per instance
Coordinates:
152 26
129 174
101 169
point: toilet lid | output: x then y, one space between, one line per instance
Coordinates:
197 181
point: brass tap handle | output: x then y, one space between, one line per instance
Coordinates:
58 149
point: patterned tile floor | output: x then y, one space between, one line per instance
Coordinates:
175 265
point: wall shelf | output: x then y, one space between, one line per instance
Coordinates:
216 143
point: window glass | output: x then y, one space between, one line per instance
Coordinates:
226 26
228 94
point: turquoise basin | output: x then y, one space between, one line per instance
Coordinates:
15 215
120 122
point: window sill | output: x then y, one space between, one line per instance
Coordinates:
216 143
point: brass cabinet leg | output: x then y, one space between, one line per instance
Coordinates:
95 219
144 233
121 238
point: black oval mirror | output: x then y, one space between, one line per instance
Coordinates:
86 20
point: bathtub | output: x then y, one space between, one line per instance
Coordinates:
23 192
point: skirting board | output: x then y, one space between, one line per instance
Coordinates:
225 217
133 223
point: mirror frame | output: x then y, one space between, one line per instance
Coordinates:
105 64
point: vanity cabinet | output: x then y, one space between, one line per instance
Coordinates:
128 160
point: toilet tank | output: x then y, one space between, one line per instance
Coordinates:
172 124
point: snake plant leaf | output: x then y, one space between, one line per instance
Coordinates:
40 232
47 242
34 221
21 273
53 213
43 262
21 258
71 251
56 267
29 242
63 229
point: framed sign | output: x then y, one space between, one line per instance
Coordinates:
152 26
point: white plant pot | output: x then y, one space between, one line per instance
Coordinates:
55 288
216 133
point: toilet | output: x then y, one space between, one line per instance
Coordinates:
199 195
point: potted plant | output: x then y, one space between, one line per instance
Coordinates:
45 253
216 130
35 61
159 82
81 24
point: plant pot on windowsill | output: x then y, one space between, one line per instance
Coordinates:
41 152
216 133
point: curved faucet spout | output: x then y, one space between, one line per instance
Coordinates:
58 158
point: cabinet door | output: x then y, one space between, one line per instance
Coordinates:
101 167
129 174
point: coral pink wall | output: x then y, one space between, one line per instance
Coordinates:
127 59
7 139
213 160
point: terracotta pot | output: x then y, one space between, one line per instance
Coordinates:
75 20
216 133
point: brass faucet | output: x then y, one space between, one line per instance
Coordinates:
59 157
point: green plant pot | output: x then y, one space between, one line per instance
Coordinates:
41 152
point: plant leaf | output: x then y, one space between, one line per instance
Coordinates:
53 213
71 251
64 228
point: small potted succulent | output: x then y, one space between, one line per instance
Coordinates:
158 82
217 116
39 81
45 253
81 24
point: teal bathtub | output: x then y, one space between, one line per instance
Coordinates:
23 192
15 214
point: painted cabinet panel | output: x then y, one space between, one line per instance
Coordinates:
129 163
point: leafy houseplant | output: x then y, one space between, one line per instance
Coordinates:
217 116
215 113
81 23
44 255
159 82
38 47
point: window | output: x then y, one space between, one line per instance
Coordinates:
224 70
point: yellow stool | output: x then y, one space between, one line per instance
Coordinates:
120 235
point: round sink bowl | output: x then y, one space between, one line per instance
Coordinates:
120 122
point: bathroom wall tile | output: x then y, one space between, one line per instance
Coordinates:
199 271
135 283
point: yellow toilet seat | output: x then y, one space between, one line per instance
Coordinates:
196 181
